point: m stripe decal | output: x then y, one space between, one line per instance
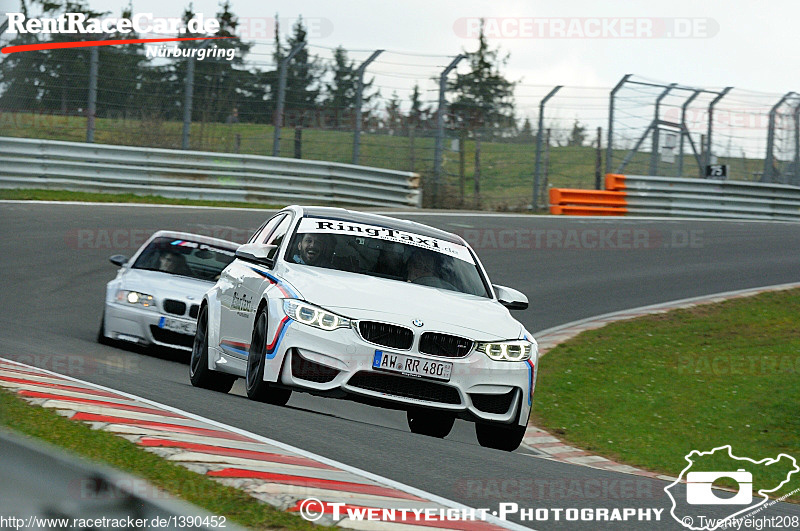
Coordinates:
272 348
285 289
531 374
235 346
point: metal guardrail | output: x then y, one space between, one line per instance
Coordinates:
31 163
673 196
45 487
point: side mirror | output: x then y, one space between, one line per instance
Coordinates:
257 253
118 260
510 298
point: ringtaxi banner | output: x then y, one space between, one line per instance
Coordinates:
333 226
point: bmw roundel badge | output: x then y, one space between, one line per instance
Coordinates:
417 322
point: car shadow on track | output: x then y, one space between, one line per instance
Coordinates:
154 351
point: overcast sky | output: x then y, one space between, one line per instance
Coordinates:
579 43
745 43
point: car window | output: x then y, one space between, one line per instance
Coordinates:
277 236
387 253
264 232
185 258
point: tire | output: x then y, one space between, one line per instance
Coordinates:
199 373
101 333
500 436
429 422
257 388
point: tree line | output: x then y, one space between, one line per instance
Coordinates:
132 85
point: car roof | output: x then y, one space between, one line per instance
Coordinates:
342 214
199 238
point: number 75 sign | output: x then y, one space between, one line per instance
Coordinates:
717 171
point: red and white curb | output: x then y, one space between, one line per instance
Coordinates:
554 448
268 470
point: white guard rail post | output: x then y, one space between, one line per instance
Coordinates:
48 164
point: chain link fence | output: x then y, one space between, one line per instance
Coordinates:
675 130
143 95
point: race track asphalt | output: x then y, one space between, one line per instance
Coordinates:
54 263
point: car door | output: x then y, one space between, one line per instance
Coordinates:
259 277
236 301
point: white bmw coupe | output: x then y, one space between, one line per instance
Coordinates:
369 308
156 294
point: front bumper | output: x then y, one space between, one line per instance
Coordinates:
339 362
126 322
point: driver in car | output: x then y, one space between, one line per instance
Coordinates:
420 265
312 249
172 262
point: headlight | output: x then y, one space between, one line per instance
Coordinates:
314 315
519 350
135 297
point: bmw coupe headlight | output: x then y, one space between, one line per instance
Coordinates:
135 297
519 350
314 315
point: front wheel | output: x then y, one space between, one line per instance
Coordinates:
429 422
199 373
257 388
102 338
500 436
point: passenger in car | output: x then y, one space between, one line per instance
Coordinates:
421 264
313 249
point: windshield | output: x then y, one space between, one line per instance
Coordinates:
185 258
386 253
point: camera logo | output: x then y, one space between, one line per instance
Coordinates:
755 487
699 492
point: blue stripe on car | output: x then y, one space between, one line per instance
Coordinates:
530 382
275 280
285 326
234 349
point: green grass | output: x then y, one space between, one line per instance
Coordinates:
100 446
92 197
507 168
650 390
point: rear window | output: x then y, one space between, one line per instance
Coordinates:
185 258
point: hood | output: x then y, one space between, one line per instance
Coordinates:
164 285
364 297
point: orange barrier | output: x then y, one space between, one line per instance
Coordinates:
567 196
615 181
572 202
608 202
587 211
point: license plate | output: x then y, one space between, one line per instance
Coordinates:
386 361
176 325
